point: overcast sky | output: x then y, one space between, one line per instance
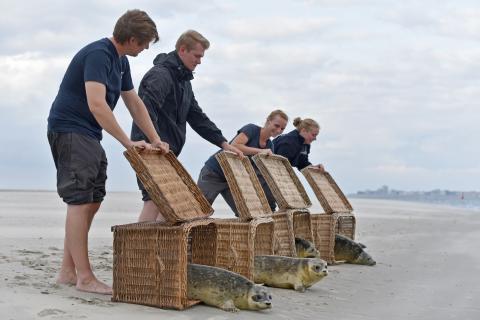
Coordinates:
395 85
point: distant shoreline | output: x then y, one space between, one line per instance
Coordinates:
457 203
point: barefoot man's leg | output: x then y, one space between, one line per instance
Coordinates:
150 212
78 222
68 274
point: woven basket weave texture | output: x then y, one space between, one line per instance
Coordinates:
327 191
169 186
150 261
283 182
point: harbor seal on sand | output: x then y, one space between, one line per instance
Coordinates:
226 290
351 252
288 273
306 249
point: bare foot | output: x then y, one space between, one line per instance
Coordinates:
94 285
67 277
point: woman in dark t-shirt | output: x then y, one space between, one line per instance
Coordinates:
250 139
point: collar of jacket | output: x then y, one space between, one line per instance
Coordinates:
180 71
299 137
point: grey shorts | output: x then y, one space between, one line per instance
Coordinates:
212 184
145 195
81 167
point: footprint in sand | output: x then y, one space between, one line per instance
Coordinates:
25 252
50 312
93 301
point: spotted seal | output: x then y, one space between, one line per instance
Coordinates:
351 252
226 290
306 249
288 273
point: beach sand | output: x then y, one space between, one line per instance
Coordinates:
428 265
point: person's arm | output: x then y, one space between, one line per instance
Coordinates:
140 115
200 122
240 142
228 147
97 104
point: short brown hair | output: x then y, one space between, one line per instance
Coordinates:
279 113
190 38
135 24
307 124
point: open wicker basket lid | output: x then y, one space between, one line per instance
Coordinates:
169 185
244 185
283 182
327 191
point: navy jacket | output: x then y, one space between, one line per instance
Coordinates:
292 147
167 93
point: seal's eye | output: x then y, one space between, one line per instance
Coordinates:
317 268
257 297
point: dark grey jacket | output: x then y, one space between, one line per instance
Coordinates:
167 93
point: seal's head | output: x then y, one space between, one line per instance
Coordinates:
317 269
364 259
259 298
306 249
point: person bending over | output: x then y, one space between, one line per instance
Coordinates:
295 145
250 139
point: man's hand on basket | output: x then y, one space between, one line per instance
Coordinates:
228 147
141 145
163 146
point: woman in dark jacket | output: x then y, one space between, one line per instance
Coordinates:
295 145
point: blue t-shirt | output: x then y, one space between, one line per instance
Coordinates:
99 62
252 131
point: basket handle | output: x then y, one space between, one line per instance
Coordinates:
160 264
233 256
276 244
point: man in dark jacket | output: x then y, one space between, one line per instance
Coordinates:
167 93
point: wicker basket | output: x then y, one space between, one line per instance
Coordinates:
288 225
283 182
325 226
169 185
244 185
150 261
327 191
238 242
251 202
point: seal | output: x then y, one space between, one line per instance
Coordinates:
226 290
288 273
351 252
306 249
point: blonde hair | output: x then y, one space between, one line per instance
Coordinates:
307 124
137 24
190 38
279 113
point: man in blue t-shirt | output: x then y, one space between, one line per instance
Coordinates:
96 77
